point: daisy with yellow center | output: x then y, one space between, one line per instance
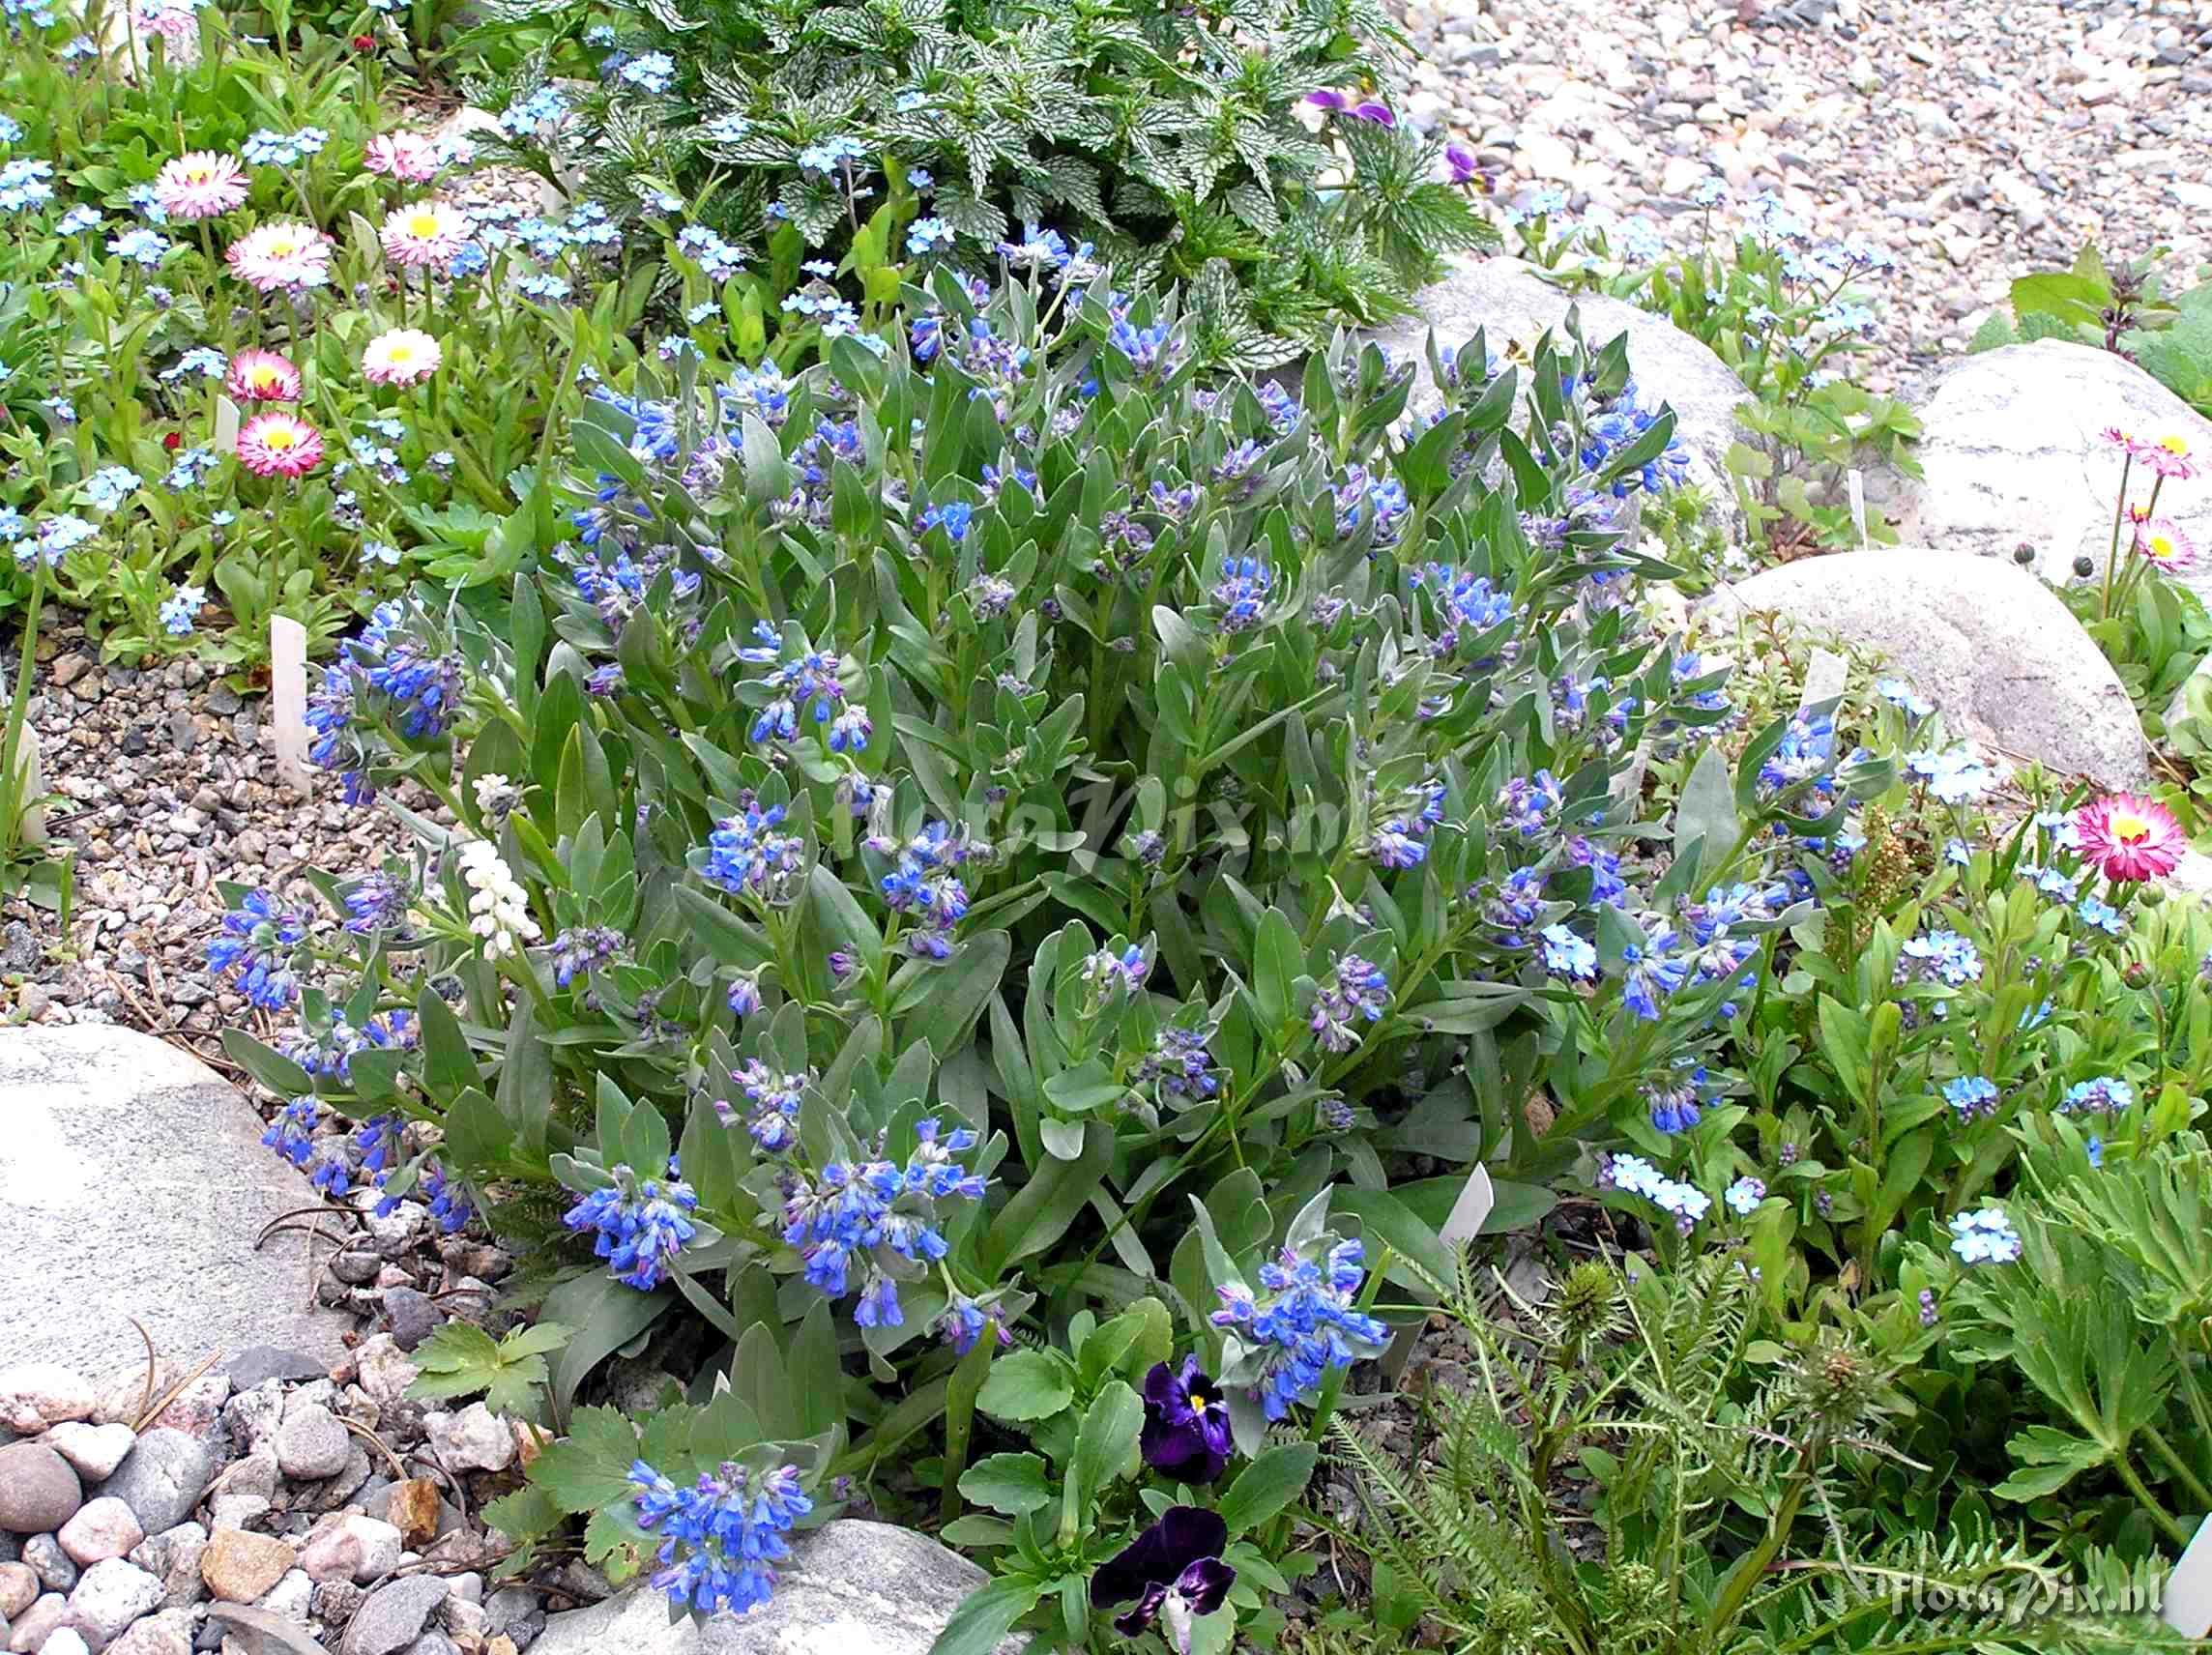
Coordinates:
285 255
262 376
425 236
2162 544
401 356
279 444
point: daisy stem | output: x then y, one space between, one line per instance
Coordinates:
2112 554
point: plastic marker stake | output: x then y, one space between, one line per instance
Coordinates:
288 699
1475 1200
225 425
2188 1606
1858 508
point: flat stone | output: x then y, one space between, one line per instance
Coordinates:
18 1589
43 1557
263 1632
113 1594
93 1450
35 1395
169 1633
1513 305
2013 451
164 1476
291 1597
30 1629
391 1616
850 1589
102 1528
258 1364
311 1444
238 1567
474 1439
412 1509
39 1493
2001 657
351 1548
384 1370
174 1554
136 1177
65 1641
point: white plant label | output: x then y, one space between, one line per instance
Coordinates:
1475 1200
2188 1606
1858 508
289 701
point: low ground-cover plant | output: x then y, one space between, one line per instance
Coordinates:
1629 1469
1788 315
2136 309
1021 821
1161 141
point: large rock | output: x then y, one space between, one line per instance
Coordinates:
1516 306
136 1176
2013 452
2002 659
851 1588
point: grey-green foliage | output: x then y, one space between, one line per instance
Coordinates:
1171 139
2180 357
1629 1472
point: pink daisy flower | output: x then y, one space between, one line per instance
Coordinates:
200 184
425 235
2128 838
2168 457
262 376
279 444
408 156
288 255
2162 544
401 356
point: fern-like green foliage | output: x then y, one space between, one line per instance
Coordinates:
1168 137
1627 1473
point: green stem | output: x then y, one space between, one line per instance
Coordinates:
18 707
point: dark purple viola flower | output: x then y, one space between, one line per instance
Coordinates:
1378 113
1174 1570
1461 159
1187 1424
1328 101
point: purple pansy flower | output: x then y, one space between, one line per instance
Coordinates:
1175 1572
1186 1423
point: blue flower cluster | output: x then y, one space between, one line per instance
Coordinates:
1400 840
1971 1097
746 855
1985 1238
1308 1323
874 1213
257 947
720 1538
925 886
1356 991
642 1224
1181 1065
774 1121
1687 1203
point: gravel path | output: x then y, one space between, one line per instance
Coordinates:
1975 140
169 784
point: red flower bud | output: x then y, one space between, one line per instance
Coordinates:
172 441
363 42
